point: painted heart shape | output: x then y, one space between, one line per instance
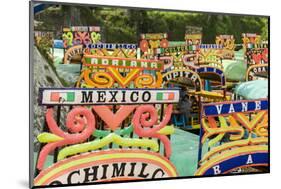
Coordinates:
114 120
124 81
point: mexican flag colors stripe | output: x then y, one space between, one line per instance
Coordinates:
165 96
62 96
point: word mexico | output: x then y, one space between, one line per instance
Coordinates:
105 166
87 96
214 109
123 62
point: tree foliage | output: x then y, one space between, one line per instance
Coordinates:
125 25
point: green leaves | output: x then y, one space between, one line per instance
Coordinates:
120 25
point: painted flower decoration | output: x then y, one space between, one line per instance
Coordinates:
67 39
96 37
144 46
164 43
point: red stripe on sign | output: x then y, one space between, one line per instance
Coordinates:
55 96
171 96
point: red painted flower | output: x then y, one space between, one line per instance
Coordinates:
164 43
144 45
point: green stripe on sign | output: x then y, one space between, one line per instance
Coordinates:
128 63
88 60
159 96
70 96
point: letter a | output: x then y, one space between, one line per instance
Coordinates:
231 109
250 160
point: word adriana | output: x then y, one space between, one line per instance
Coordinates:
111 46
111 171
234 107
83 96
123 62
